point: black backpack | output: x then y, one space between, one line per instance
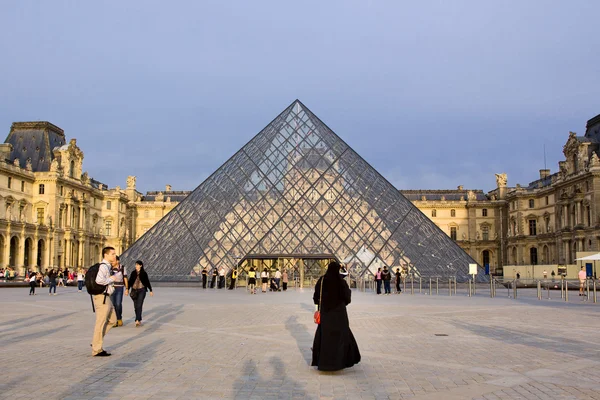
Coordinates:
90 280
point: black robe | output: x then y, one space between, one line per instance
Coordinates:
334 346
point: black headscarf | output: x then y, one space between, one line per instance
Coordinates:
335 289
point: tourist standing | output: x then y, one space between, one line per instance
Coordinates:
284 278
139 284
120 274
252 280
378 280
105 314
221 278
553 275
213 279
264 277
60 278
204 277
334 346
52 281
398 280
80 279
278 279
386 276
234 275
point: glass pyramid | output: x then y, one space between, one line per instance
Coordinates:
295 190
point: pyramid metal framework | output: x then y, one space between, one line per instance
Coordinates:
297 188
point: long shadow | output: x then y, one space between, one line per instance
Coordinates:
127 362
303 338
167 314
537 340
37 335
31 320
308 307
249 378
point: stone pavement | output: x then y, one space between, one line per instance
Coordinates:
221 344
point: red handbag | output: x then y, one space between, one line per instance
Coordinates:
317 316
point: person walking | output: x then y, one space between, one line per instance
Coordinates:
334 347
252 280
204 277
139 284
378 280
120 274
553 274
234 275
582 277
398 280
264 278
60 278
105 314
32 282
284 279
386 276
52 281
80 279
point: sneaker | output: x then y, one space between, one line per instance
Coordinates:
103 353
119 322
55 294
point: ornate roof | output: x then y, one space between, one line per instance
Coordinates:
34 141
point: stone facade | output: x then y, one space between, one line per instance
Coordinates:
54 215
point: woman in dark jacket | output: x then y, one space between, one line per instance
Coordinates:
334 346
138 284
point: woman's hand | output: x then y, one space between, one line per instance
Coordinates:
151 294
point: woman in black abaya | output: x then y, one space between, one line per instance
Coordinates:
334 347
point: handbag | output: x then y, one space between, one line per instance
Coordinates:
317 316
133 293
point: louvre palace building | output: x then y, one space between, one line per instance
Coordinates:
294 197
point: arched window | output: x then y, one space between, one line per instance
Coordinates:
72 170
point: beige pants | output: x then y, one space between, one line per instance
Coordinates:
105 319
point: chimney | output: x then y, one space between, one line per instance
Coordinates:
5 150
168 188
544 173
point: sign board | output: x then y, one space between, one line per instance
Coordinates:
472 269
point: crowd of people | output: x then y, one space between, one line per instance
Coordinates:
273 282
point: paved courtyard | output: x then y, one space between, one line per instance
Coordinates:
222 344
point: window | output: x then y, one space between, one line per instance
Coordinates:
453 232
61 190
146 213
484 212
531 203
533 256
72 169
94 202
532 227
453 213
108 205
433 213
547 201
485 232
9 182
22 186
41 188
40 216
108 228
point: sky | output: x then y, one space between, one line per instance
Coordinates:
433 94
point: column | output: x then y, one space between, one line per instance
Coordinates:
80 255
34 252
81 217
20 258
301 269
578 213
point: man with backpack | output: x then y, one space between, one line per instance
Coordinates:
100 288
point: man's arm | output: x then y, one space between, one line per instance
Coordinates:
104 277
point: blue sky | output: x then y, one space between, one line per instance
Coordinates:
433 94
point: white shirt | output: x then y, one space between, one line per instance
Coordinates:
103 277
277 275
80 276
264 274
32 279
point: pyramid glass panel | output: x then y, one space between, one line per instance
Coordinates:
297 195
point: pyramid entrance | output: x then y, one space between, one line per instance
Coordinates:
303 269
296 188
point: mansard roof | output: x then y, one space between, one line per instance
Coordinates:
436 195
35 141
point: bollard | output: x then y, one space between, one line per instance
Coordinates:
469 287
420 285
491 287
430 286
587 288
548 289
562 288
595 298
449 286
515 289
437 285
539 290
404 283
412 284
566 290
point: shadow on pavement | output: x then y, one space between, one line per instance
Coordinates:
304 339
250 384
